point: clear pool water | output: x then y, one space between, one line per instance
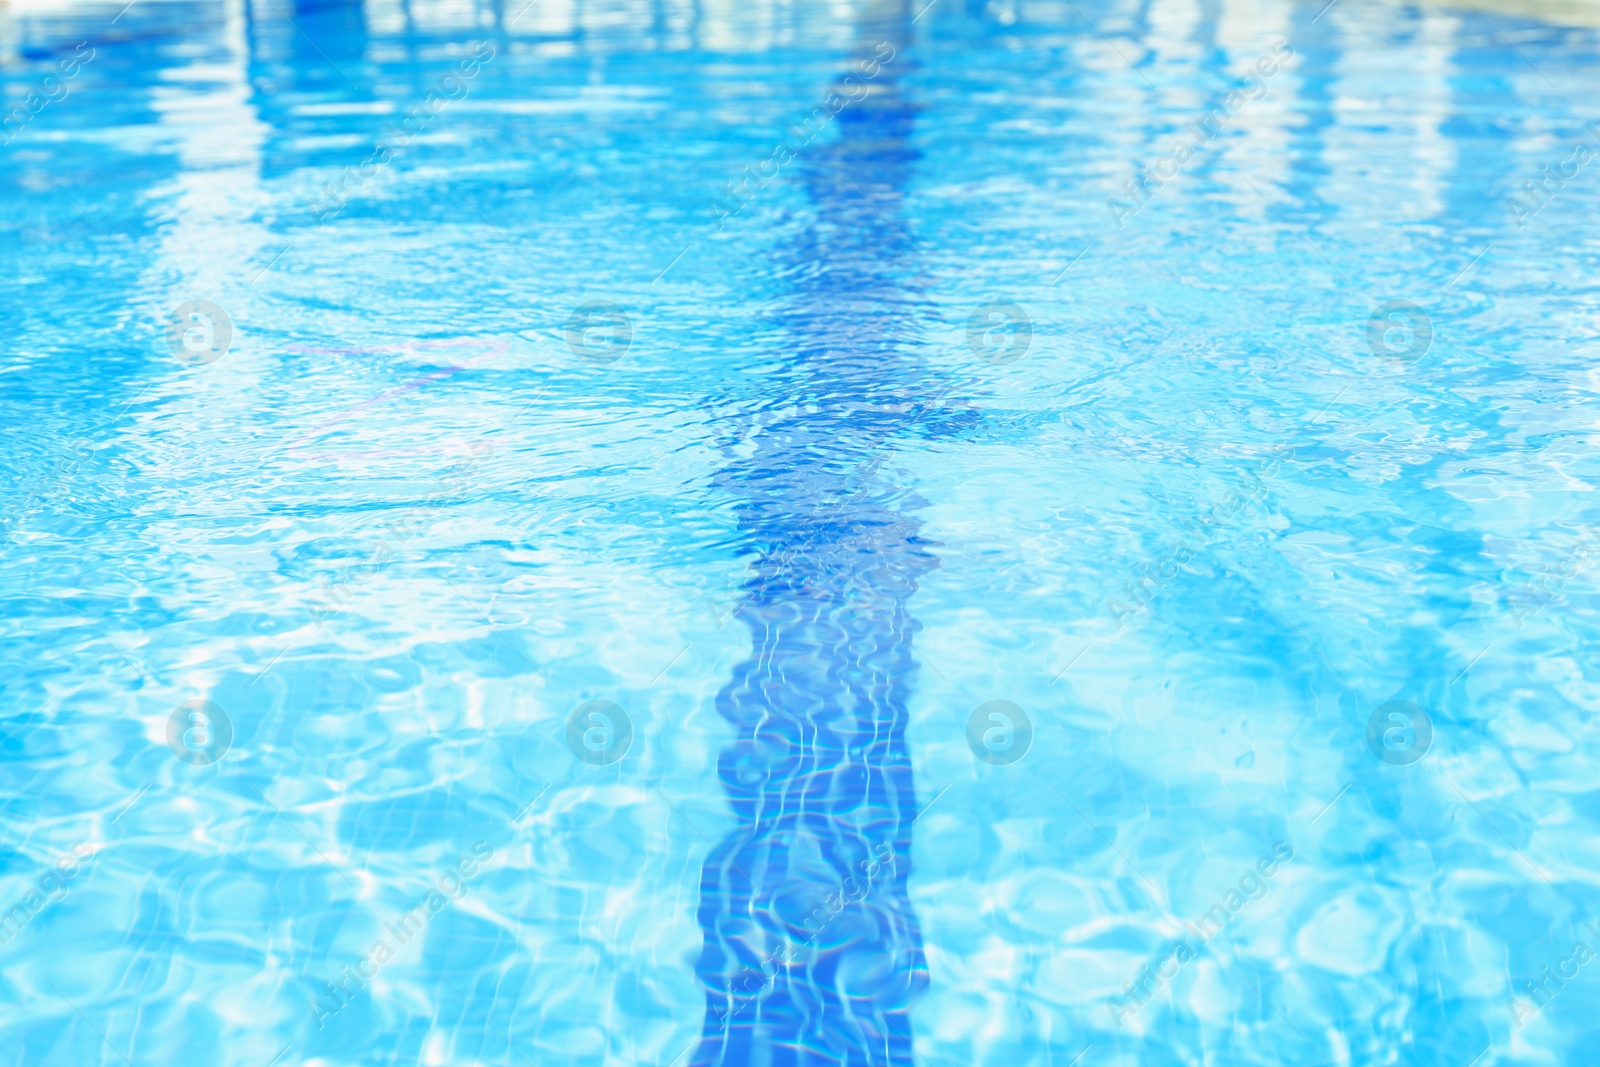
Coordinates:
697 533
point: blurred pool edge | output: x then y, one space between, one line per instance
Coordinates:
1574 14
1570 14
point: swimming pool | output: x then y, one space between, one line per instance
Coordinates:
691 533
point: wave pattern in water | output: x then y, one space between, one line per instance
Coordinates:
1208 527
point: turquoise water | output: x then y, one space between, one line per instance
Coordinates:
790 534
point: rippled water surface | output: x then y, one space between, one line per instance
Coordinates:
794 533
